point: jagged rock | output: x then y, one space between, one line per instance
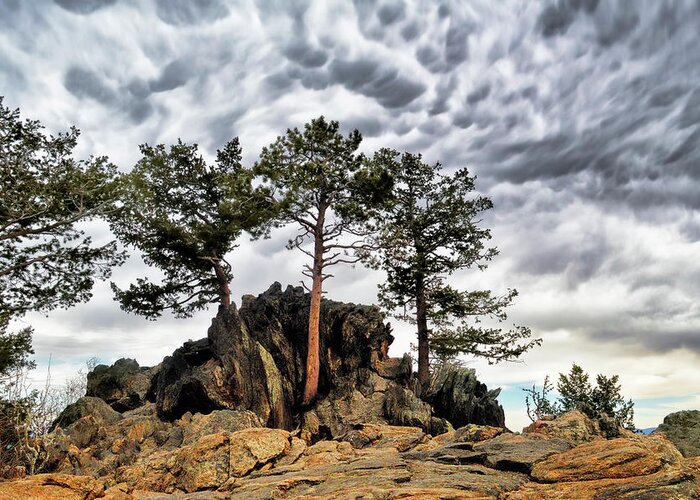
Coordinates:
403 407
85 406
683 429
254 359
257 357
213 461
456 395
124 385
612 459
381 436
519 453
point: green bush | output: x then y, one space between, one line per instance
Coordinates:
576 392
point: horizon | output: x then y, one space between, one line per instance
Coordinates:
579 118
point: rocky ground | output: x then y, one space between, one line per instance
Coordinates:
228 454
220 419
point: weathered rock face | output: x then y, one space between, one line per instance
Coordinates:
255 359
576 428
456 395
683 429
124 385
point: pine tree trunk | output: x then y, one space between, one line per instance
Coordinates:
422 322
313 347
222 280
312 356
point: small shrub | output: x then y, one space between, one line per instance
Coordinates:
537 402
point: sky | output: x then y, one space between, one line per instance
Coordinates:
580 119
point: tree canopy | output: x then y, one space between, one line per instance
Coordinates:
428 230
185 215
15 348
46 258
318 181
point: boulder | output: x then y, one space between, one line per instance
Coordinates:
670 483
609 459
124 385
683 429
574 426
85 406
456 395
476 433
140 456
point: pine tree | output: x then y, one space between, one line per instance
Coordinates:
319 182
46 260
185 216
428 230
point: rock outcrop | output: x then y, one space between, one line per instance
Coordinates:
456 395
683 429
220 418
227 454
254 359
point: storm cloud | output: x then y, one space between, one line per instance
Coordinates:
580 118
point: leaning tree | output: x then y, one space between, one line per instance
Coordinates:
428 230
184 215
318 181
46 258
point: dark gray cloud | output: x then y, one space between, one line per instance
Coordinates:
391 12
456 47
11 75
175 74
443 92
85 83
222 128
186 12
691 111
577 261
368 126
479 94
556 17
133 101
377 80
463 120
430 57
304 54
660 340
616 27
84 7
410 31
